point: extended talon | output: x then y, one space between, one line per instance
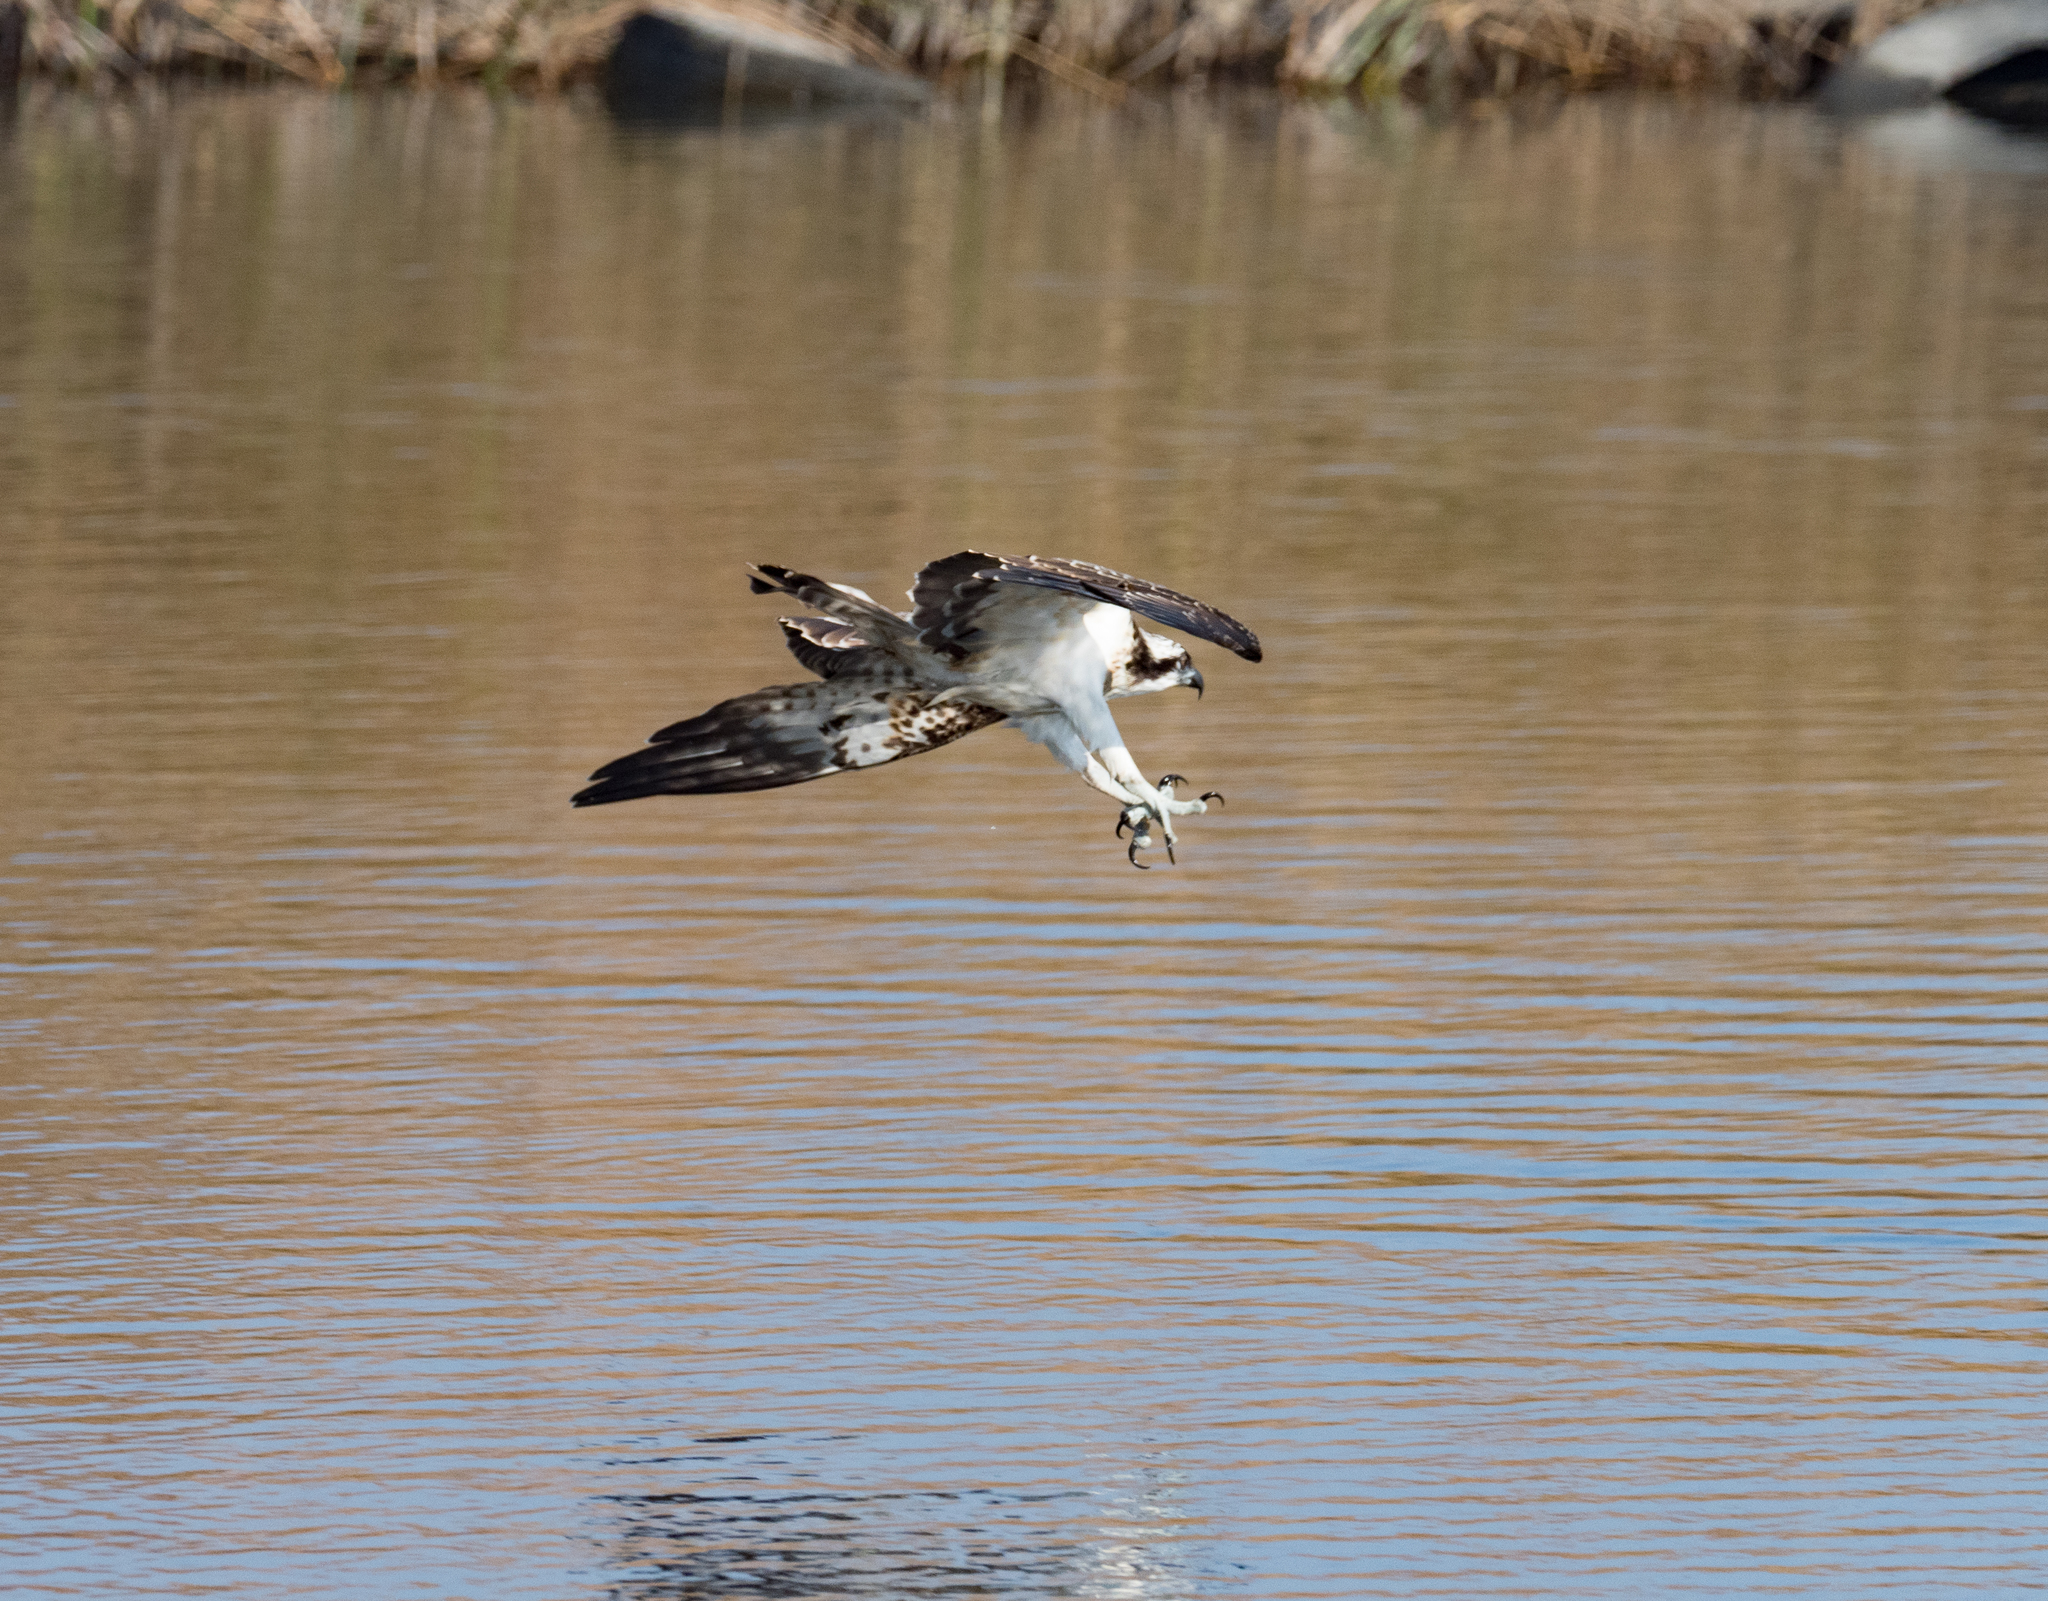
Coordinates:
1139 817
1215 795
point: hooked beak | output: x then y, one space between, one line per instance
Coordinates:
1195 681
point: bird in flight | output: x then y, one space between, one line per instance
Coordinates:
1040 643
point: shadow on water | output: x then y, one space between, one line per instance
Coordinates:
705 1545
644 112
780 1520
1941 138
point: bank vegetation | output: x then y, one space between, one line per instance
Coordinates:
1757 47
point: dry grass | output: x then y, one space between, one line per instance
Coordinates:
1470 46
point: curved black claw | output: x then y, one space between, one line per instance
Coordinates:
1141 867
1215 795
1122 823
1170 778
1169 856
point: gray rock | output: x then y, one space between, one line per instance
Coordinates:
1989 56
679 59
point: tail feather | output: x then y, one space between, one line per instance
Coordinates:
786 734
842 603
833 650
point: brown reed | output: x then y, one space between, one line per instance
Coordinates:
1100 46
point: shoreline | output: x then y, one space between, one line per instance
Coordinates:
1754 49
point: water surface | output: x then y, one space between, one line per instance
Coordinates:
1571 1127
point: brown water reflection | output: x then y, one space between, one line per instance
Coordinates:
1570 1128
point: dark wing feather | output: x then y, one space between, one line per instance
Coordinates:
786 734
947 599
834 650
950 594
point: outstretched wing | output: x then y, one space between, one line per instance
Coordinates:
957 603
787 734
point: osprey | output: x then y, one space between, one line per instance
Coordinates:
1042 644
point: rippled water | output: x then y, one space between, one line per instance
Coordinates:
1572 1126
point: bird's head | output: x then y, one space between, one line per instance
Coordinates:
1154 663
